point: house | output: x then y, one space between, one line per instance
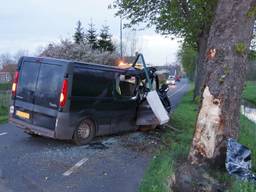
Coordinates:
7 72
5 77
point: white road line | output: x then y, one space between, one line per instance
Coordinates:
4 133
75 167
177 91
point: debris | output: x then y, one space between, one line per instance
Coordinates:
172 128
238 161
157 107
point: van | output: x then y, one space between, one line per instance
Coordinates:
76 101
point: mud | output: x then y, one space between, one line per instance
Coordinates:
192 178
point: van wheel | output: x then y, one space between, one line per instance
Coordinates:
85 132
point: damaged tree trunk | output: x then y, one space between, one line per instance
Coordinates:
218 118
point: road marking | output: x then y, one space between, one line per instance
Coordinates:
75 167
177 91
4 133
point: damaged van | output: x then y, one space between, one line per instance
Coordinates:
77 101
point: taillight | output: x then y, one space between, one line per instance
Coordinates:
15 82
64 93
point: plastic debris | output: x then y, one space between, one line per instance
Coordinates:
238 161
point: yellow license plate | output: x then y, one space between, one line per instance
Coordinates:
23 114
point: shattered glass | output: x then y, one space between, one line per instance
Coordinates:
238 161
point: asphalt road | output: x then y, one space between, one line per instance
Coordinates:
112 164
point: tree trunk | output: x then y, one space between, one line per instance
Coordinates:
200 68
218 118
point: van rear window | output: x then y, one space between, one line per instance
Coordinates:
49 85
27 81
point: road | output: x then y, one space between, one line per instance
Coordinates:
115 163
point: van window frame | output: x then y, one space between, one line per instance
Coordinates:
117 93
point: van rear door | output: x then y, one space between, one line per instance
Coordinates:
47 95
26 87
38 92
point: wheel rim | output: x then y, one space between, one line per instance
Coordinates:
84 130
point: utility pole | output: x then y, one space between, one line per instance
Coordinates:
121 37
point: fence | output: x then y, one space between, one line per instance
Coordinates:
5 98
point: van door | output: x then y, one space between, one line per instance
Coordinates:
47 95
25 91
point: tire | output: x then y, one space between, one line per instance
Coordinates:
85 132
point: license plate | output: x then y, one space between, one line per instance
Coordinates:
23 114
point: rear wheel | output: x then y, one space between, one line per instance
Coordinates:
85 132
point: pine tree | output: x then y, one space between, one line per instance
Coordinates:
91 36
79 34
105 42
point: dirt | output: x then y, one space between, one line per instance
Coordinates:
143 142
191 178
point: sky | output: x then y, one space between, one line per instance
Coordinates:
32 24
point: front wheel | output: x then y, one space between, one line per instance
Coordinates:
85 132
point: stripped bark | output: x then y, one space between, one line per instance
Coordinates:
219 112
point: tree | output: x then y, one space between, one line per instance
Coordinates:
227 49
91 36
190 20
79 34
187 56
105 42
66 49
222 38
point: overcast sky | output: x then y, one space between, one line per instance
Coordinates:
30 24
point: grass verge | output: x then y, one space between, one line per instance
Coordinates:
3 114
249 92
162 166
5 86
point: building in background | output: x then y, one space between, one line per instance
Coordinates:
5 77
7 72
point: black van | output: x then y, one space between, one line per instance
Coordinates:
71 100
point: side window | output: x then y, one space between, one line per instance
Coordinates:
92 83
126 85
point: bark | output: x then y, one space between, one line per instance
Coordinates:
219 112
200 68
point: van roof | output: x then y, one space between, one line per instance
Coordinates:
129 71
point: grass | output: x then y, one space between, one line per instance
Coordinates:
4 105
3 114
162 166
249 92
5 86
